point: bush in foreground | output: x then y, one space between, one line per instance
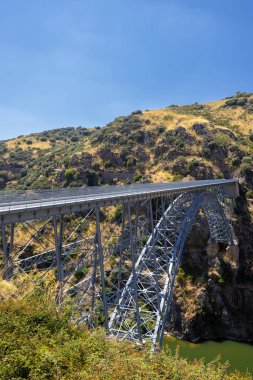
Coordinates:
38 343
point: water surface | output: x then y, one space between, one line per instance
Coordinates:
239 355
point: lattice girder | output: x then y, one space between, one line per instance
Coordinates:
157 266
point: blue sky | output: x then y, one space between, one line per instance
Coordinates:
70 63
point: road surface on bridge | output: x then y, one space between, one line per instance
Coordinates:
22 205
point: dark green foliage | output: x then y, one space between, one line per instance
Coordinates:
180 166
206 152
247 160
192 165
194 109
161 129
171 138
120 135
137 112
69 176
107 164
246 168
137 177
243 100
118 213
249 194
138 137
236 102
236 161
234 148
131 162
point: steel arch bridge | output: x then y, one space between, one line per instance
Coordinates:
114 250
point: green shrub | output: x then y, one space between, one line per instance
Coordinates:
107 164
137 177
69 176
118 213
249 194
177 177
247 160
222 139
192 165
246 168
181 275
137 112
236 161
131 161
161 129
206 152
234 148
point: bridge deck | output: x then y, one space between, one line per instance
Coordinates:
31 204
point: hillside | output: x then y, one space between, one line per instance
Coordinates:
200 141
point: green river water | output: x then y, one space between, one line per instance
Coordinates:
239 355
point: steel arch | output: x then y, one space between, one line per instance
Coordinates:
142 309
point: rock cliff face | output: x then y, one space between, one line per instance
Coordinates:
213 297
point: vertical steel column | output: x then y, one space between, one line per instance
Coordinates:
154 253
138 319
101 261
164 235
156 211
6 254
94 275
58 248
12 237
121 253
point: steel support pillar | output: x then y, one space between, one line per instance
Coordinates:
135 291
58 248
121 254
7 249
154 253
101 262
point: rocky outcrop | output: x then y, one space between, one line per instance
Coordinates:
214 289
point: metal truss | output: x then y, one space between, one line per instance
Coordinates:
119 270
143 308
